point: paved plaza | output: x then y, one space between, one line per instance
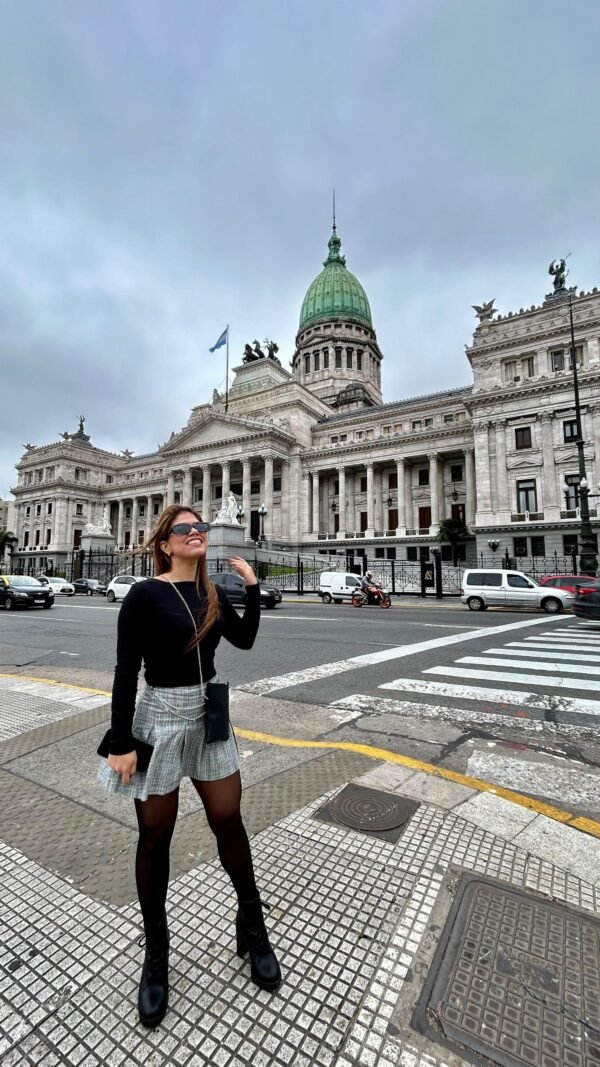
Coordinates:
360 920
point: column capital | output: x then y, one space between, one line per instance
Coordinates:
433 455
370 465
468 450
547 416
305 475
341 468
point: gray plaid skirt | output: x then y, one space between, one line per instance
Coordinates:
172 720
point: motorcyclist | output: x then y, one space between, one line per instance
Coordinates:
369 585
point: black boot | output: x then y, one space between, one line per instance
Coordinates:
252 937
153 995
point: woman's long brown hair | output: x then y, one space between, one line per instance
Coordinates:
162 564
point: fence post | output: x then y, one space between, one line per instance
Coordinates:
437 564
393 562
575 561
301 578
298 581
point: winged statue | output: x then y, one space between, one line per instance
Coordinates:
558 270
485 312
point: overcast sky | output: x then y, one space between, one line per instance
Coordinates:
167 168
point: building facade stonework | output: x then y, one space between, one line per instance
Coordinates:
337 469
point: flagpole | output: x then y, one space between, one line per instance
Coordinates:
227 373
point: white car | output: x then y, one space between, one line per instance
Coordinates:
119 587
482 589
60 586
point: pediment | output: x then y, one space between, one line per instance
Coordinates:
216 428
517 463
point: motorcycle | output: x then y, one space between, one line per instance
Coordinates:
379 596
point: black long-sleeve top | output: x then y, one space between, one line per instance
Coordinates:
155 627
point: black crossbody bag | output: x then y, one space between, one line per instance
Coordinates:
216 696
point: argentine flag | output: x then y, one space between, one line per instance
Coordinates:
222 340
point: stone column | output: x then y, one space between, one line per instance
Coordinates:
295 499
134 521
470 487
206 491
550 497
285 500
170 488
401 527
246 496
305 521
351 509
502 501
187 488
482 473
224 481
149 517
315 503
408 498
120 520
370 501
342 501
269 497
378 480
434 491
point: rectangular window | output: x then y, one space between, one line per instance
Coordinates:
428 422
570 430
79 509
392 519
255 488
38 509
155 508
523 437
316 361
416 424
578 356
277 483
528 366
456 472
457 511
572 491
519 546
127 538
448 418
76 538
50 474
363 520
325 359
359 435
424 476
424 553
526 495
27 512
39 476
343 436
424 517
379 553
363 484
557 359
77 474
37 537
411 553
142 510
333 440
359 356
48 536
307 364
338 359
127 511
49 508
336 487
349 358
109 479
570 544
538 546
393 480
217 492
386 430
510 370
25 538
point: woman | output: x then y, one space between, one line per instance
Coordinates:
178 651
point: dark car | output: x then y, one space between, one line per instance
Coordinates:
572 583
587 604
89 586
23 591
234 586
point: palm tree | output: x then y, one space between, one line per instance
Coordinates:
455 533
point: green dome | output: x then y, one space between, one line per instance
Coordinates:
335 292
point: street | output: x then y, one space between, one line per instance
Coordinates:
510 697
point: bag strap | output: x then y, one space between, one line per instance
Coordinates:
189 611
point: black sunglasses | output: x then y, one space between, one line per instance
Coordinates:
183 528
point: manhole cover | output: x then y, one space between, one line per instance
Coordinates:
515 979
369 810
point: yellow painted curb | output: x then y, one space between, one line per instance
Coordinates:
578 822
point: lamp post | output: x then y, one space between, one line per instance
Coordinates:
494 544
262 511
239 514
588 563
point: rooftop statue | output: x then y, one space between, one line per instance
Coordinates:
272 348
485 312
258 350
248 356
558 270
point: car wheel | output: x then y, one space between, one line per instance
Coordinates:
9 604
110 596
475 603
552 605
46 606
90 592
327 598
270 606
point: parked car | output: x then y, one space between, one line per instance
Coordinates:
482 589
573 583
337 586
120 585
89 586
587 603
60 586
234 586
24 591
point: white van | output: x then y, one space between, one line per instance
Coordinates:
482 589
337 586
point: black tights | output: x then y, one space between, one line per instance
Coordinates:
156 821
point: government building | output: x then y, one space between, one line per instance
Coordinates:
339 470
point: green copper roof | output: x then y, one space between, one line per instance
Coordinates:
335 292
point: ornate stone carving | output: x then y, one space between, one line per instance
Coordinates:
484 312
227 513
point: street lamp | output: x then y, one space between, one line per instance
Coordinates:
494 544
333 506
389 501
262 511
239 514
588 563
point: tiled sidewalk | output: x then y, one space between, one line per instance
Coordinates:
355 920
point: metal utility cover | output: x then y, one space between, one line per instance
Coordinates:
370 811
515 979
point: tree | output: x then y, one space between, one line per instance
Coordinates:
453 532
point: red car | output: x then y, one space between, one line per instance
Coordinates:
571 583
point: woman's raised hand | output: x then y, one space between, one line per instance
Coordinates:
243 569
124 765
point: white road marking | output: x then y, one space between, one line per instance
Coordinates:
575 639
556 646
535 665
499 696
552 778
572 632
361 704
328 670
558 658
509 676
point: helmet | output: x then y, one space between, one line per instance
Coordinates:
369 574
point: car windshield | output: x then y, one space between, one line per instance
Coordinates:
92 581
24 581
530 578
